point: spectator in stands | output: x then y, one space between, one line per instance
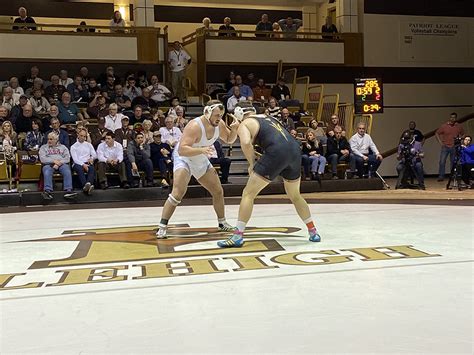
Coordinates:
226 27
147 133
125 134
84 28
234 99
131 90
4 113
250 80
419 137
410 153
159 93
329 28
319 132
123 101
10 99
230 81
83 157
40 103
54 91
365 151
46 119
64 79
161 157
98 107
117 23
312 156
35 137
92 89
77 90
276 31
290 26
58 131
142 80
110 157
8 137
84 73
170 134
55 157
467 160
16 110
445 136
113 120
180 120
263 25
178 60
24 18
108 90
15 85
206 26
158 119
98 133
273 108
261 92
332 124
286 120
218 157
23 121
136 120
145 100
138 153
80 126
68 111
245 90
338 150
27 81
174 101
280 91
37 85
109 72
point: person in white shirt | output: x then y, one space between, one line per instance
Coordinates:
170 134
110 157
159 93
234 99
113 120
178 59
364 151
64 80
10 99
83 156
15 85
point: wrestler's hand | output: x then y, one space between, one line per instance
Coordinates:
207 151
250 169
235 122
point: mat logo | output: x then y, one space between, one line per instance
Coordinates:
188 251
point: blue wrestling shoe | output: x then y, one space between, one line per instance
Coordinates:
236 241
314 236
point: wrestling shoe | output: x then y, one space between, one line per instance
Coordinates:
314 236
161 232
236 241
226 227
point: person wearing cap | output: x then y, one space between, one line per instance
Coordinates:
125 134
281 157
191 158
161 157
131 90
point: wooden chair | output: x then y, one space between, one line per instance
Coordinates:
345 112
27 171
329 104
290 79
314 100
5 170
301 91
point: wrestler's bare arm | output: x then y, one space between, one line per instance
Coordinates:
226 134
191 135
246 140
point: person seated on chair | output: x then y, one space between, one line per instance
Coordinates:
110 157
55 157
280 91
313 156
61 133
333 123
161 157
138 153
365 151
273 109
285 120
234 99
170 133
218 157
245 90
261 92
410 153
98 107
83 155
34 138
338 150
467 160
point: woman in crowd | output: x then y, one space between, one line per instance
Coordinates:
230 81
319 131
180 120
312 156
8 141
147 133
34 138
117 23
273 108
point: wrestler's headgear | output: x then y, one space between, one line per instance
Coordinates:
243 108
211 106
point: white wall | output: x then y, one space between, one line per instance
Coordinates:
389 42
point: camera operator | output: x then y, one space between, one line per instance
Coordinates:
467 159
410 153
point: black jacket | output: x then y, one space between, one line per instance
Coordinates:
335 146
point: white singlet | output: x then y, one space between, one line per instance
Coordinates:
198 164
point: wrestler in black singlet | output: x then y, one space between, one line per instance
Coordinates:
281 152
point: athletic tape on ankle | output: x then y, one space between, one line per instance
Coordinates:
173 201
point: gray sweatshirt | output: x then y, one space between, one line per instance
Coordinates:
135 154
48 154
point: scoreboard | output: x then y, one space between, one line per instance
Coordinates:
368 96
